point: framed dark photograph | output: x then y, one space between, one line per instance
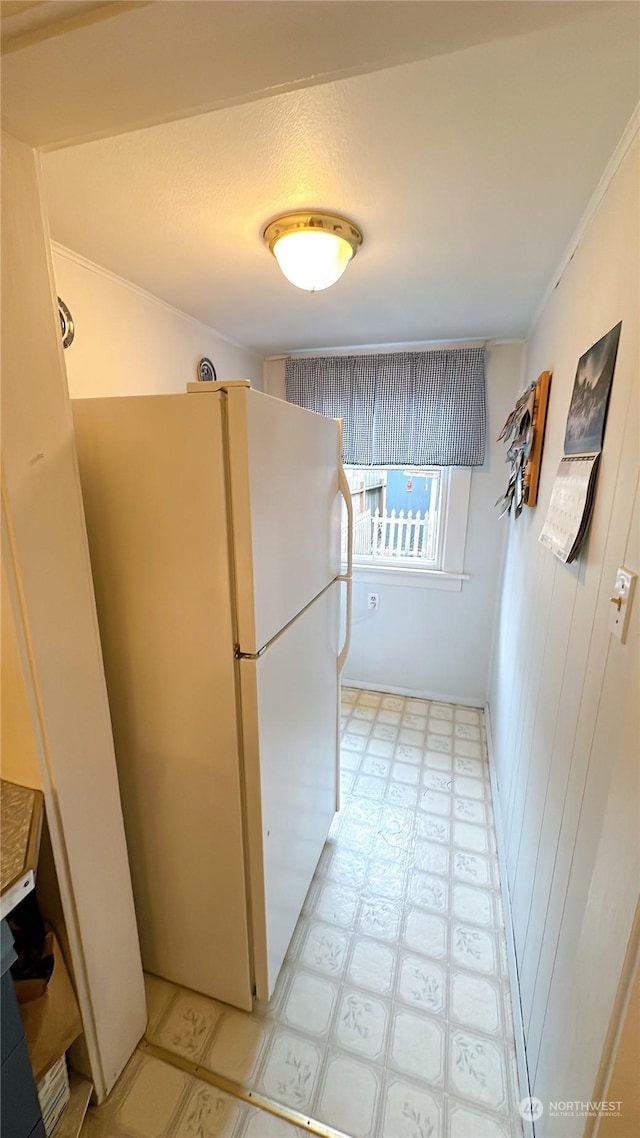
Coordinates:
591 390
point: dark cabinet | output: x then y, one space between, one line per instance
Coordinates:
20 1115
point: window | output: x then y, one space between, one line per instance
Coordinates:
397 515
424 410
408 522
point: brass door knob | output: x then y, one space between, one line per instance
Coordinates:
617 601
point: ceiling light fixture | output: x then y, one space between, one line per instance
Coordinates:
312 248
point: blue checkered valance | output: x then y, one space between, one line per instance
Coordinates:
419 408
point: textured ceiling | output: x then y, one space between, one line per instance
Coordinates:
467 174
80 69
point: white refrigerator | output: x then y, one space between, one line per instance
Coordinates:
214 523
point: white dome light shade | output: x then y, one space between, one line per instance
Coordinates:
312 250
311 259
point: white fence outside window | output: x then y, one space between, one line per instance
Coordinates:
395 536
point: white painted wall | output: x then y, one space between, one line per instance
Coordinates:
18 745
128 342
425 640
50 591
564 693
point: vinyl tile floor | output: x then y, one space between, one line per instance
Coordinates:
392 1014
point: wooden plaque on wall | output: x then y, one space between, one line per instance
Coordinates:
532 470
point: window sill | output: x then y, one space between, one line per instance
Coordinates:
401 577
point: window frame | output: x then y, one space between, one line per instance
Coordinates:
455 491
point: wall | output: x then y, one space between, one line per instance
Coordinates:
564 693
424 640
48 577
18 748
128 342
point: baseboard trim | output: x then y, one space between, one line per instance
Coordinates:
411 693
514 980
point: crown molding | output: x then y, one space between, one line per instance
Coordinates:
613 165
85 263
402 346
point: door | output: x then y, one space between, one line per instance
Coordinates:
289 726
283 466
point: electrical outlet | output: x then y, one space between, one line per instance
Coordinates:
373 603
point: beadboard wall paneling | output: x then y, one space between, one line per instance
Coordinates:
563 692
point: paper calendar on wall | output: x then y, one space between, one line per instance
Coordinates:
570 506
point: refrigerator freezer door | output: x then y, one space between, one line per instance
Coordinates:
289 727
283 464
152 472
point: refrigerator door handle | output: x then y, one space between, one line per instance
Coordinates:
347 640
240 655
345 490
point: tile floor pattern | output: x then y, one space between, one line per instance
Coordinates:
152 1099
391 1017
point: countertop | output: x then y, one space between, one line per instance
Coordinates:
21 813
